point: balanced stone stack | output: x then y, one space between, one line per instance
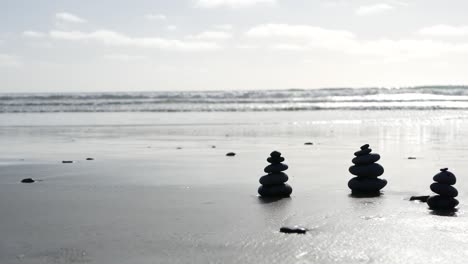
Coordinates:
367 170
273 184
445 200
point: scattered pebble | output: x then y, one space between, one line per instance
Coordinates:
89 158
213 146
230 154
293 230
419 198
179 147
27 180
308 143
411 158
67 161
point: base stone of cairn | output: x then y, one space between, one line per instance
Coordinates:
445 200
274 183
367 172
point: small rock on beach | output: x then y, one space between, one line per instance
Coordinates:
230 154
27 180
67 161
293 230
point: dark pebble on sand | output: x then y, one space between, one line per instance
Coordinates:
274 178
275 154
445 177
438 202
308 143
371 170
366 159
444 189
89 158
366 185
67 161
275 168
213 146
362 152
230 154
27 180
419 198
411 158
179 147
280 190
293 230
275 160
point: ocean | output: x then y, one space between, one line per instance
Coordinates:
414 98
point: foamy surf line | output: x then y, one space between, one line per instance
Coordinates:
417 98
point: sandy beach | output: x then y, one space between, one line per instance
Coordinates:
161 190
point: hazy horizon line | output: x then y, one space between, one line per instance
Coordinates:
240 89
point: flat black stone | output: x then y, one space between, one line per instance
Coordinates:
293 230
27 180
444 189
282 190
230 154
275 168
275 154
89 158
308 143
366 146
366 159
372 170
419 198
274 178
445 177
67 161
366 185
275 160
362 152
438 202
411 158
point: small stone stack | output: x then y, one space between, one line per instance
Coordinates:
273 184
367 170
445 200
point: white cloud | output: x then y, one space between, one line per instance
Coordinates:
224 27
112 38
124 57
231 3
212 35
373 9
155 17
68 17
445 31
307 38
246 47
171 27
298 32
7 60
287 46
33 34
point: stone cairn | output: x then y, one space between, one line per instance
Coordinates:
445 200
273 184
367 170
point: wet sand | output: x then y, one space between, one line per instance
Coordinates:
142 200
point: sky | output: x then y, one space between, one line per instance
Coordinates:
155 45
